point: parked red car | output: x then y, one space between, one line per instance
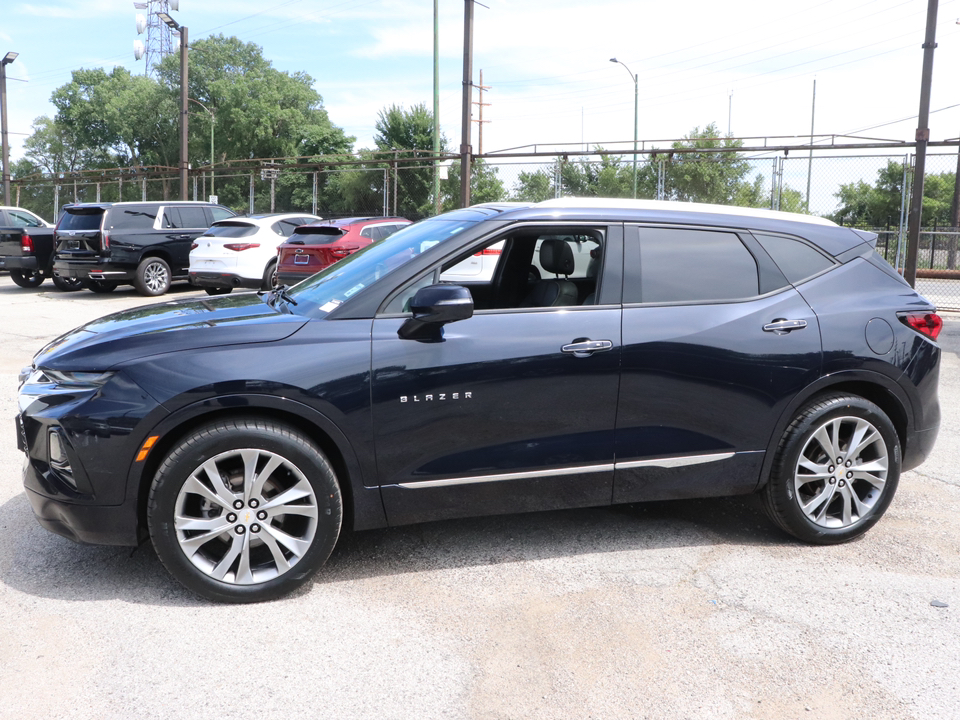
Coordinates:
313 247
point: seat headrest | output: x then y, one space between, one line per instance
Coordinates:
556 256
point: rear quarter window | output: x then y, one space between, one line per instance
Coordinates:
797 260
130 218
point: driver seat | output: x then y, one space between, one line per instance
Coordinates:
556 256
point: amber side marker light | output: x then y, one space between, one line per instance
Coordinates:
928 324
145 448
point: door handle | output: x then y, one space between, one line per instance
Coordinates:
586 347
781 326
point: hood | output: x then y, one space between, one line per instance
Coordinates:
167 327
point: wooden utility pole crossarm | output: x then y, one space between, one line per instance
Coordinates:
480 121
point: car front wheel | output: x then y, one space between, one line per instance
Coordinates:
835 472
244 510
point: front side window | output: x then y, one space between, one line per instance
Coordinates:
219 213
530 269
193 217
680 265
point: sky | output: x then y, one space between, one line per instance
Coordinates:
746 65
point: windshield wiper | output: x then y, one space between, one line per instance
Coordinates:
280 291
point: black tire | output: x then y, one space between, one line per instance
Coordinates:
27 278
269 276
101 286
231 555
152 277
846 498
218 290
67 284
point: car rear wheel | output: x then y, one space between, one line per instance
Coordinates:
835 472
67 284
153 277
27 278
218 290
102 286
270 276
244 510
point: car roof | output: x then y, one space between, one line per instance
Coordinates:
156 203
686 207
344 222
260 219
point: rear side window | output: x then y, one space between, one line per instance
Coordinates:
81 220
796 260
219 213
193 217
130 218
685 265
231 230
171 218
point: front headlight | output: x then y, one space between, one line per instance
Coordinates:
41 382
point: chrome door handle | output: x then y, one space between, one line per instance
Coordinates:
585 348
782 327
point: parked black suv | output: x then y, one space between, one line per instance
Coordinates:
143 243
621 351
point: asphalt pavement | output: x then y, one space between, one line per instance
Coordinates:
695 609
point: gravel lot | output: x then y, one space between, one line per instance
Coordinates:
663 610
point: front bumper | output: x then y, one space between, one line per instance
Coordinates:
11 262
224 280
94 524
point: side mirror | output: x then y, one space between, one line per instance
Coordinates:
433 307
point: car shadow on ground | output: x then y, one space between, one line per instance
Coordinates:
39 563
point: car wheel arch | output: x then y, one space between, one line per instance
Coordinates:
879 389
316 426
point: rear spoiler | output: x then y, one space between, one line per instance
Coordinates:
868 237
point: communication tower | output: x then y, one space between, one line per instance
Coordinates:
159 41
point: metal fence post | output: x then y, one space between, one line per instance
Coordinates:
386 194
251 193
98 192
904 194
143 181
56 200
315 192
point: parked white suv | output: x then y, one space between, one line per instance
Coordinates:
242 252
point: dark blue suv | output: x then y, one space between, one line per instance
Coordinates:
621 351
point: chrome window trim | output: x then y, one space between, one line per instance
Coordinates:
668 462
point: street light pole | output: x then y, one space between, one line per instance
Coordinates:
184 121
7 59
213 118
636 95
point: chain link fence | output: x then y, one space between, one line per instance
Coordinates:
847 188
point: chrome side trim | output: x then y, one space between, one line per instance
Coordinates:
673 462
670 462
509 476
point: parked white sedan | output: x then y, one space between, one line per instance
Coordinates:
242 252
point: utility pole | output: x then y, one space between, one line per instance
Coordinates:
7 59
465 150
923 137
813 114
436 105
481 104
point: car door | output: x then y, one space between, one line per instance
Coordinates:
513 410
715 344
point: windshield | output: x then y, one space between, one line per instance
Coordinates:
329 288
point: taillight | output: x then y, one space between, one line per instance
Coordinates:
105 242
239 247
193 246
341 252
26 243
928 324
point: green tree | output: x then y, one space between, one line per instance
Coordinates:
485 185
533 186
878 205
709 177
405 135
